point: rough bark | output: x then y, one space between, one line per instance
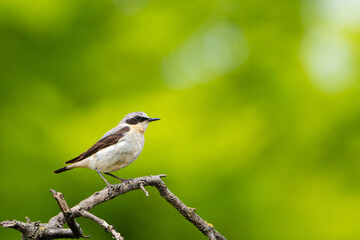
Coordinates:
54 228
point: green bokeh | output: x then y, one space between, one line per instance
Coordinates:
259 102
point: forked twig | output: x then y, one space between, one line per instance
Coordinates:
54 228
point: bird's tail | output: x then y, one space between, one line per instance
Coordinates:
63 169
82 164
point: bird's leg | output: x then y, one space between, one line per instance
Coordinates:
121 179
107 183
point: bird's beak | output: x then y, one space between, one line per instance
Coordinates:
153 119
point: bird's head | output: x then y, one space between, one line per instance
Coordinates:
138 120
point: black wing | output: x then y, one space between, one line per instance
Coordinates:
101 144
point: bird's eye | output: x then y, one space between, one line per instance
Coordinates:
137 117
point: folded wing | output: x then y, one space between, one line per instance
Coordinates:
101 144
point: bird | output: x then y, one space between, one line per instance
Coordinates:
118 147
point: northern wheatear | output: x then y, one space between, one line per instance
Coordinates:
116 149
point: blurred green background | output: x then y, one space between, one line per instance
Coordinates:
259 102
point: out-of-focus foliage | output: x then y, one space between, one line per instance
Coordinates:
259 102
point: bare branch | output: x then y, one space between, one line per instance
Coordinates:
14 224
105 195
36 230
144 190
54 228
70 220
211 236
103 223
189 213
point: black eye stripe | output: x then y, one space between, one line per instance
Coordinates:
135 120
141 119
